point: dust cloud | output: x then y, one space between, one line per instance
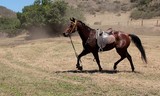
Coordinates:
45 32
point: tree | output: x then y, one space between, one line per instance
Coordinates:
48 15
46 2
37 2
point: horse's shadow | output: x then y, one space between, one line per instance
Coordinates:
96 71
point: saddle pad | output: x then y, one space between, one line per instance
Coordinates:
103 38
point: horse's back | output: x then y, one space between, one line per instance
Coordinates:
114 39
122 39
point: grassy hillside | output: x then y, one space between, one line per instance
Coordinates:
139 8
146 9
92 6
46 67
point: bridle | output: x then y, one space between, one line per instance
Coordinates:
75 23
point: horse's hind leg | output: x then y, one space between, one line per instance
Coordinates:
123 54
130 60
116 63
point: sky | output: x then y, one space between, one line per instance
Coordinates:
16 5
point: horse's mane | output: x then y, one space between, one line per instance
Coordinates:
83 24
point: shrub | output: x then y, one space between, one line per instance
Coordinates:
146 9
136 14
9 26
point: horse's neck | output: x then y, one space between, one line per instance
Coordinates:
84 33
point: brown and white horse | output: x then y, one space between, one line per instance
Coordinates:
89 42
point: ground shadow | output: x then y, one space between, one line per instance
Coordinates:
96 71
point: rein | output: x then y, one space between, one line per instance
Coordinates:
74 48
72 41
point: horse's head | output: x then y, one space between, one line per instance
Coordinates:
71 28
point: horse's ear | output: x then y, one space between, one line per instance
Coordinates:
72 19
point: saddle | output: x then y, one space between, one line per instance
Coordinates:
104 38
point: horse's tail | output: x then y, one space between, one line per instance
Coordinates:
139 45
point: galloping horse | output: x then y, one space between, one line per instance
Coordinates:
89 42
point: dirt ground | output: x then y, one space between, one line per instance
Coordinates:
46 67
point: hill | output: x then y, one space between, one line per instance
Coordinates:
145 9
93 6
139 8
4 12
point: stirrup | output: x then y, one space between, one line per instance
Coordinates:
100 49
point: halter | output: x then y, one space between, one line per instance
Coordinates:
75 23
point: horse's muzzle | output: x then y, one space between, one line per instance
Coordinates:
65 34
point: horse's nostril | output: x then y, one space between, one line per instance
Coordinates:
64 34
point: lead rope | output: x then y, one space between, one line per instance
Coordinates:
74 48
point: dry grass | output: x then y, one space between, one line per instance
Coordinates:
120 18
46 67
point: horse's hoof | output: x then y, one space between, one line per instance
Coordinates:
100 70
80 68
115 67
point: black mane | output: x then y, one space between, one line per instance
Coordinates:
83 24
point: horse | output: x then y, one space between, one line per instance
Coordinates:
89 42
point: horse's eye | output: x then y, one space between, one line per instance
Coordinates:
71 25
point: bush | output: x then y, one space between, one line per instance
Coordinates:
135 14
9 26
9 23
146 9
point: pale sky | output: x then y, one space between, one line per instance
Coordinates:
16 5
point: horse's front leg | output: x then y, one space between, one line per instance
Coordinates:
84 52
